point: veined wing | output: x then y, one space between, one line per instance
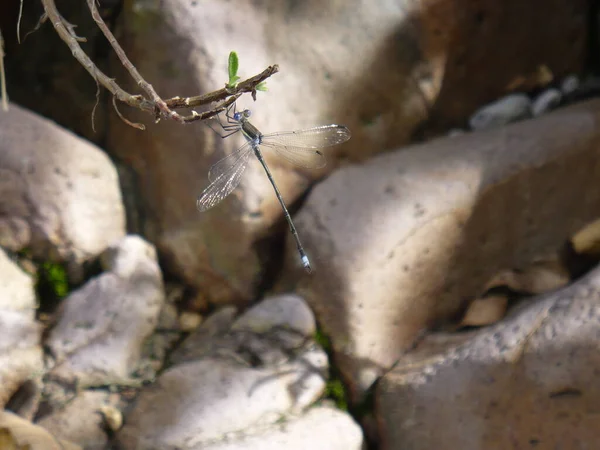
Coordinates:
302 147
225 164
227 180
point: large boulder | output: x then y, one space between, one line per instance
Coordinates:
529 381
380 68
61 197
404 241
20 334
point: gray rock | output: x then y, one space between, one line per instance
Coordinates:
369 66
400 242
528 381
102 325
320 428
243 375
61 195
80 421
511 108
20 349
200 342
546 101
25 435
570 84
205 400
16 288
284 311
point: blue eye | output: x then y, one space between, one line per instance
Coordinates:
237 116
247 113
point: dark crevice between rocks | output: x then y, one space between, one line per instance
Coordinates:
577 264
593 44
51 286
270 258
23 399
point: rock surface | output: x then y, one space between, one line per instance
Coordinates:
511 108
101 329
20 349
527 382
234 382
548 100
381 68
61 195
80 421
28 436
319 429
430 224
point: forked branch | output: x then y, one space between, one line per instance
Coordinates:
152 102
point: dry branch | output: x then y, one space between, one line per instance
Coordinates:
153 103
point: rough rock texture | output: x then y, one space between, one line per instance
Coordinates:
28 436
80 421
20 349
319 429
234 382
527 382
60 195
103 325
404 240
381 68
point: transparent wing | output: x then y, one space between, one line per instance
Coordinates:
302 147
227 180
224 165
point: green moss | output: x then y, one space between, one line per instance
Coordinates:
334 388
56 277
52 285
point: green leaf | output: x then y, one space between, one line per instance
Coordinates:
262 86
232 69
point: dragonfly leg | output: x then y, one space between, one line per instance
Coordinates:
230 116
230 128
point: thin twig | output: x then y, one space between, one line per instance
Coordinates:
3 93
19 21
155 105
40 22
147 87
248 85
213 112
139 126
137 101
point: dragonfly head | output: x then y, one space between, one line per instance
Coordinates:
238 116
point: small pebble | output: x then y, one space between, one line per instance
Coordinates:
455 132
569 85
189 321
112 416
508 109
546 101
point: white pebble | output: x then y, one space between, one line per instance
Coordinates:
546 101
508 109
570 84
189 321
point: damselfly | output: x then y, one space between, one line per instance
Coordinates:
301 147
